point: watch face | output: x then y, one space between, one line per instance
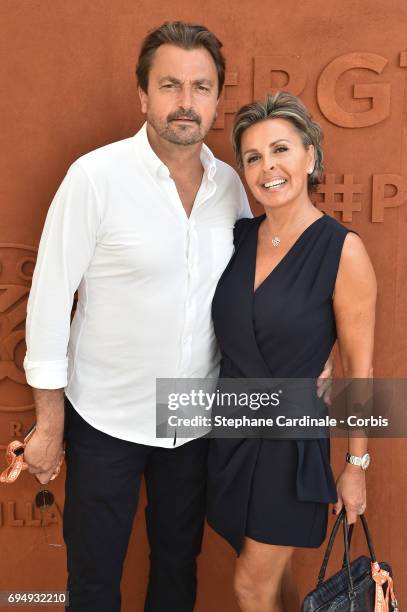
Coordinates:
365 461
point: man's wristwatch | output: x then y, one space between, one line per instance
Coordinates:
363 461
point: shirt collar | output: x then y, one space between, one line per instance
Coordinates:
157 168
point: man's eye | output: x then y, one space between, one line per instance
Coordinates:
203 88
169 85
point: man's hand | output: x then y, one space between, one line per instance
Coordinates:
44 449
43 454
324 382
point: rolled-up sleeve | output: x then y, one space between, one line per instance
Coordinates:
66 248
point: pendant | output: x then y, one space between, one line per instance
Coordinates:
275 241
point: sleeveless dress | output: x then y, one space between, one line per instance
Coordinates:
275 491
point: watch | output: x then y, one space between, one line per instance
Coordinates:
362 462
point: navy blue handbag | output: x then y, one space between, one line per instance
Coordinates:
363 585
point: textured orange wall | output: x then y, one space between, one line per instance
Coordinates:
67 87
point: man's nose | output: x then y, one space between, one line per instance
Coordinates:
185 100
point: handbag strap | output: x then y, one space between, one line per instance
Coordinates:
349 530
379 575
341 519
368 539
350 533
328 550
347 559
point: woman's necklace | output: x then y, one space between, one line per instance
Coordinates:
277 239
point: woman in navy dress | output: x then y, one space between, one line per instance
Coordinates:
298 280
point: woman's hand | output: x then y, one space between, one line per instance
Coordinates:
351 489
324 381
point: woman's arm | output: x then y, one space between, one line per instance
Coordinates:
354 305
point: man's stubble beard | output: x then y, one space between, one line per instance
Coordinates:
179 134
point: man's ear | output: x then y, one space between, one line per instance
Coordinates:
143 99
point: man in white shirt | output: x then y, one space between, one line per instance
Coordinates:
143 228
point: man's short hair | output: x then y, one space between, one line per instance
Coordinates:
183 35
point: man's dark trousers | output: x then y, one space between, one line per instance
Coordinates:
101 495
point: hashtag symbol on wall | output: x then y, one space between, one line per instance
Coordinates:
340 196
226 106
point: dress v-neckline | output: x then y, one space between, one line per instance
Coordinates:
284 258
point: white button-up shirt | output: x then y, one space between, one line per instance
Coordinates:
145 273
